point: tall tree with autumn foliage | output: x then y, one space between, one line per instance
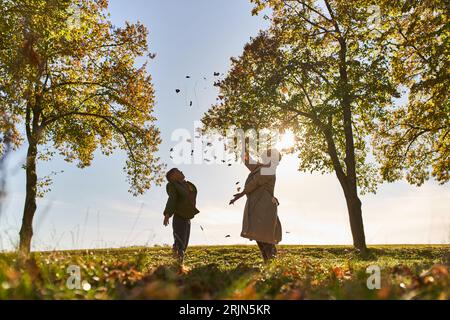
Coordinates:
68 77
413 139
318 71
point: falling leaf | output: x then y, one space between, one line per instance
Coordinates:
228 236
177 90
189 140
237 183
171 150
190 104
238 189
201 228
229 164
188 77
216 74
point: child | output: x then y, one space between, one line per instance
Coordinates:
181 205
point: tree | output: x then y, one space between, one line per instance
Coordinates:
69 79
413 140
319 72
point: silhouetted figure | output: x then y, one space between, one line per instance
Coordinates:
261 221
182 206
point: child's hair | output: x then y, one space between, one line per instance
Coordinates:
169 173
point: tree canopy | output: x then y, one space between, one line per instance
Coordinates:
289 77
71 78
413 140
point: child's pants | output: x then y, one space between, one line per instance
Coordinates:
181 232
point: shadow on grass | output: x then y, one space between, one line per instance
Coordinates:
203 282
398 253
211 281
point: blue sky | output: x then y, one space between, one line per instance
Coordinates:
91 207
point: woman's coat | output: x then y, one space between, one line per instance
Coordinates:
261 221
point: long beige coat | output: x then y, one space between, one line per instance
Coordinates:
261 221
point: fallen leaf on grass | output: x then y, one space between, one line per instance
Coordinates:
338 272
384 293
247 293
156 290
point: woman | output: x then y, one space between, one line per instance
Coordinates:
261 221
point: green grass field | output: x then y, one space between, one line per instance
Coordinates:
231 272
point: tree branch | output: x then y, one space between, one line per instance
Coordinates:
314 10
111 122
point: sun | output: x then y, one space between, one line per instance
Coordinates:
286 141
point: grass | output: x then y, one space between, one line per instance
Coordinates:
230 272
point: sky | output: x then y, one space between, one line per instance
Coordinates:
91 208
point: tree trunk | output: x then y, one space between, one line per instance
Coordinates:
347 179
356 221
351 191
26 231
350 188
